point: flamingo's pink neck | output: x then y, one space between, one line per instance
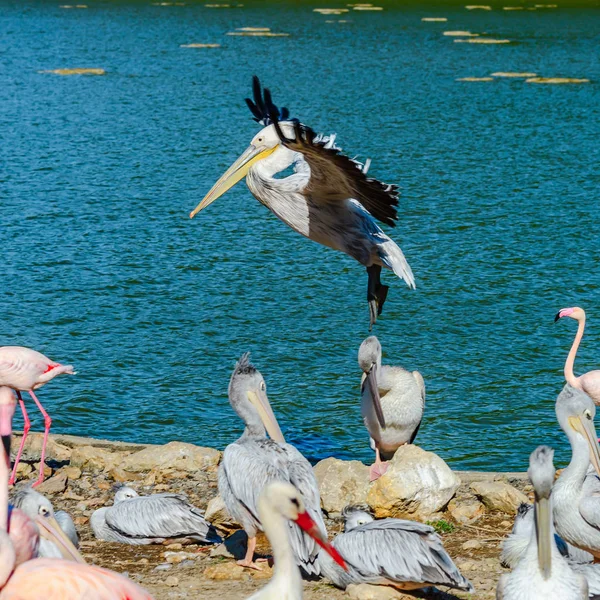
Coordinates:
570 362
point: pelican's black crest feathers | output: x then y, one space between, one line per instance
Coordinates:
244 366
260 106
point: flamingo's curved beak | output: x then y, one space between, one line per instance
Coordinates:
306 523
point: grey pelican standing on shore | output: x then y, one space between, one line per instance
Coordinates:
576 510
254 461
406 555
542 572
328 198
280 502
392 405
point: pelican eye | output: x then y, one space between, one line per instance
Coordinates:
44 511
263 387
260 140
588 415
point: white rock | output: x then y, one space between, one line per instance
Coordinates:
341 482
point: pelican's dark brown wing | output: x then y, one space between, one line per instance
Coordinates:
334 176
259 108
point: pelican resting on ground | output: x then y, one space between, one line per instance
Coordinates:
576 504
328 198
406 555
34 505
254 461
515 545
542 573
155 519
278 504
588 382
392 404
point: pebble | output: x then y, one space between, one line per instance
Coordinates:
163 567
506 524
467 565
174 547
172 581
178 557
472 545
143 561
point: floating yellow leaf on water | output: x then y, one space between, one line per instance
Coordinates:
434 19
475 79
331 11
253 29
76 71
513 8
258 34
200 46
478 7
368 8
510 74
481 40
461 34
556 80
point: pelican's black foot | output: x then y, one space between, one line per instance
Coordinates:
376 294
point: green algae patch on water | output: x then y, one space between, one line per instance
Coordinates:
478 7
257 34
475 79
480 40
434 19
331 11
75 71
556 80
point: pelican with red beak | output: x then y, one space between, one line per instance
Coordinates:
328 199
279 505
392 404
254 461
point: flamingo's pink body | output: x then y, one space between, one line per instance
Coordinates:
24 535
25 370
588 382
46 578
56 579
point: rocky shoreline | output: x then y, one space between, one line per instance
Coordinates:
473 511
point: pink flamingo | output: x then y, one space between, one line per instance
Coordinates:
48 578
25 370
588 382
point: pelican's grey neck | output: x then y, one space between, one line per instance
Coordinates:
248 414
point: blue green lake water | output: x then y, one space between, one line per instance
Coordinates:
102 267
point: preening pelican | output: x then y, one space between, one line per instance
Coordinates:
328 199
139 520
255 461
392 405
393 552
36 506
280 502
588 382
516 543
576 510
542 572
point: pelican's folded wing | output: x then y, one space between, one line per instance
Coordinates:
398 551
159 516
589 508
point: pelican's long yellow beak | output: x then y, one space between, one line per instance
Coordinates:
238 170
260 401
50 530
586 428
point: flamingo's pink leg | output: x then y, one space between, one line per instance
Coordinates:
26 426
47 423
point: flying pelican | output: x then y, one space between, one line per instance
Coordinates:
515 545
25 370
34 504
254 460
328 199
588 382
576 510
279 504
392 405
48 578
154 519
406 555
542 572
